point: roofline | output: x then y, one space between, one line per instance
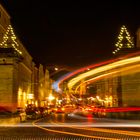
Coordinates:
4 10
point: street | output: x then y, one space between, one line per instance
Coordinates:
71 127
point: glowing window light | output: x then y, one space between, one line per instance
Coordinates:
30 96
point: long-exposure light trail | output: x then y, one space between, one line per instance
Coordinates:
56 84
104 68
127 70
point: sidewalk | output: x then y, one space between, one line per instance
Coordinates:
9 120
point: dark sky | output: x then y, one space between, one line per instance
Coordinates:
71 33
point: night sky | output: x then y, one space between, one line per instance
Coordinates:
71 33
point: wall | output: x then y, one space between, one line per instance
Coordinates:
6 82
131 89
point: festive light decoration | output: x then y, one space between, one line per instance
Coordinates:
124 40
9 40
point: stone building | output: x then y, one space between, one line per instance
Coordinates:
21 82
15 67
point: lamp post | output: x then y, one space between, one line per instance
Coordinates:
49 99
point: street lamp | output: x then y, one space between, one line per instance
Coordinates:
56 68
50 98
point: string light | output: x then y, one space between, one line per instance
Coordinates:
9 35
124 34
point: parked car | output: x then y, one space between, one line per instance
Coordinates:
43 111
33 113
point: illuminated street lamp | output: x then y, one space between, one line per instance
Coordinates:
56 68
50 98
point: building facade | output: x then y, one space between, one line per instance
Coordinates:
21 82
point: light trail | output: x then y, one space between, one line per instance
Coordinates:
56 84
127 70
98 70
123 132
71 133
